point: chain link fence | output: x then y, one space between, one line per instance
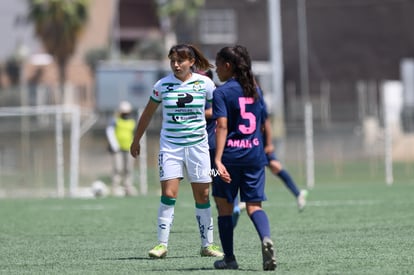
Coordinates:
349 141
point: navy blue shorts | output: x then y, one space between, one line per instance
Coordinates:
249 180
212 155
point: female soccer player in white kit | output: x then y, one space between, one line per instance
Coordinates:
183 143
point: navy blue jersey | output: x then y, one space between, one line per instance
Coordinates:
245 116
211 129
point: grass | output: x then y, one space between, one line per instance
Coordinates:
352 228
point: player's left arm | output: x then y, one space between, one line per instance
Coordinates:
210 87
268 148
221 136
208 113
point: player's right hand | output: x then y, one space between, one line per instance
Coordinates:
135 149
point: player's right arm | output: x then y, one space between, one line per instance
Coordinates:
143 123
111 137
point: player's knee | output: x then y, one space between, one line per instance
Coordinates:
251 208
169 194
276 167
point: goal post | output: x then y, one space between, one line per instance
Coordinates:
310 155
143 177
33 126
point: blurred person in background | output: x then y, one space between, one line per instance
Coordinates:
120 133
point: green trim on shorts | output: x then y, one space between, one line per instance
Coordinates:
167 200
202 206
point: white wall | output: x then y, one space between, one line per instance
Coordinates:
13 32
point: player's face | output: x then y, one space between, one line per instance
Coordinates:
223 70
181 67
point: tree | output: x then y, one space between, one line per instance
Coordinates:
169 11
93 56
59 25
12 68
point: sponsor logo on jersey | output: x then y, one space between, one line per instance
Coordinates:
184 98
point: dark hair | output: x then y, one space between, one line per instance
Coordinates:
188 51
239 58
208 73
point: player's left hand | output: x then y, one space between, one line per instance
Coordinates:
269 148
223 173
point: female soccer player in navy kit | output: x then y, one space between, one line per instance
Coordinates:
238 109
183 143
277 169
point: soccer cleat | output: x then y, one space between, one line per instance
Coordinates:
302 199
211 251
158 252
242 206
131 191
236 212
226 263
268 254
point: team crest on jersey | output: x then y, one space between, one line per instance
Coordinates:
197 86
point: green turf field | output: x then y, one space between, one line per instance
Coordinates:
346 228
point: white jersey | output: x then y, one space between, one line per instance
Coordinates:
184 122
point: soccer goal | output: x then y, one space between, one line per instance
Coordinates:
36 144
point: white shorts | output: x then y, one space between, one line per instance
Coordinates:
195 160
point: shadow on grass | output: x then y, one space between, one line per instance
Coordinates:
203 268
145 258
169 269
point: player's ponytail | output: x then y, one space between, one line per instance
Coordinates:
239 58
201 62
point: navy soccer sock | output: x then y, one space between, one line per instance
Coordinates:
225 225
288 181
261 222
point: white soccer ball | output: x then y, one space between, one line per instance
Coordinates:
99 189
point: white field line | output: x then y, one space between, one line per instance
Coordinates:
343 202
270 203
88 207
266 204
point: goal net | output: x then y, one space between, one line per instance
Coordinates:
39 151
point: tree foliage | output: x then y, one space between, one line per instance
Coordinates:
59 24
93 56
172 8
172 13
